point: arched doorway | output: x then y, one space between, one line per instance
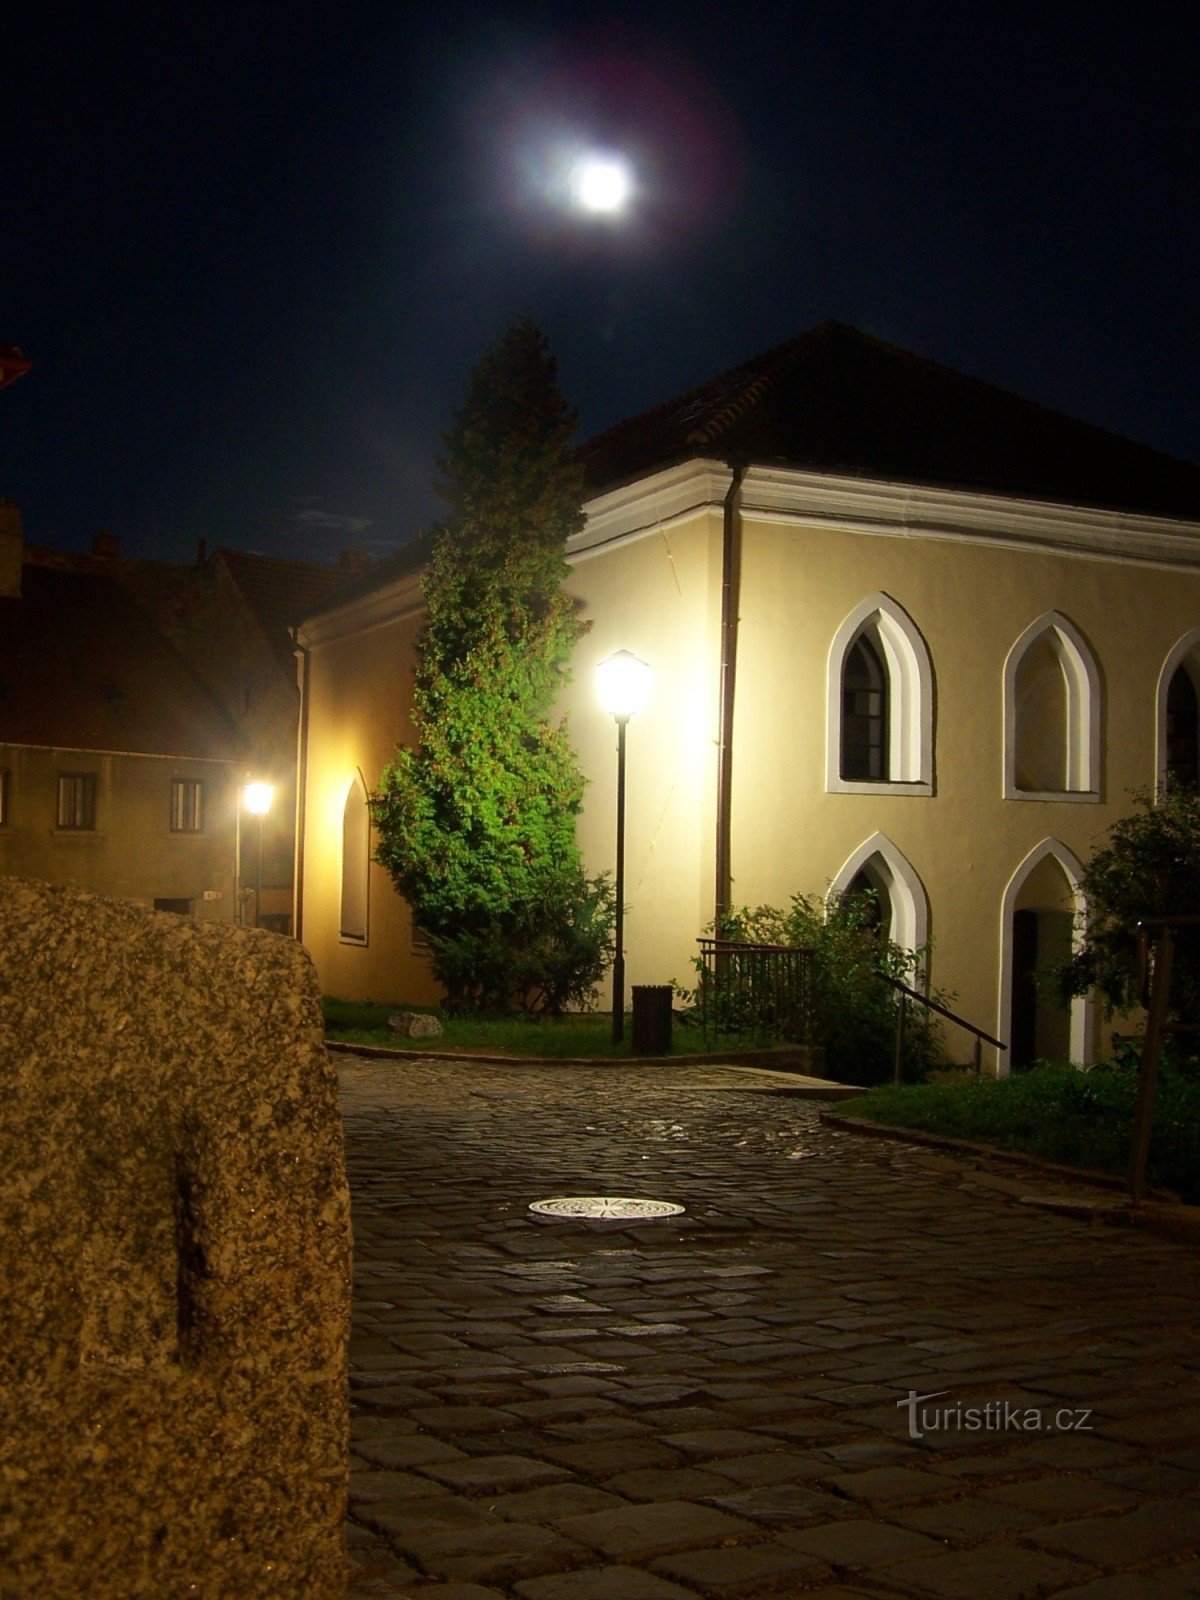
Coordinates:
1041 905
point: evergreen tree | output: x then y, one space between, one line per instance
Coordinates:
477 823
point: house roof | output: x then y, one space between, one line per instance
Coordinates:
409 558
83 668
279 593
837 400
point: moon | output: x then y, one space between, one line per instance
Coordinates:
601 184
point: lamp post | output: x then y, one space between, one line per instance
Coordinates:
257 799
623 683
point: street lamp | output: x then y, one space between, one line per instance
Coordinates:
623 683
257 797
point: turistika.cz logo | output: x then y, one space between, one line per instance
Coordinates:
992 1416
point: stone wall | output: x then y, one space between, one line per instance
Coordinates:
174 1260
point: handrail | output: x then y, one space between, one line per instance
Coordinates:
944 1011
907 992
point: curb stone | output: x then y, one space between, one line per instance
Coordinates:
1162 1213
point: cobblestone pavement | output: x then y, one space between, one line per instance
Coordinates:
708 1406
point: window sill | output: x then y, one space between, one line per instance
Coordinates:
884 786
1073 797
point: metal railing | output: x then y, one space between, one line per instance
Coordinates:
907 993
1155 984
760 991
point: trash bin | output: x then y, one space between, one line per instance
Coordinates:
652 1019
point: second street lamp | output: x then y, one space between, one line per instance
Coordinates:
623 683
258 797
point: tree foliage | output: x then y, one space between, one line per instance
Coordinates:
476 823
1149 867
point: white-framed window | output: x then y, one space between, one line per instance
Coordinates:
1177 720
1052 714
77 802
900 895
187 805
356 862
879 703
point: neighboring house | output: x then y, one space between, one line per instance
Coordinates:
230 618
909 633
118 772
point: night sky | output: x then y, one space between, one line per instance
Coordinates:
253 252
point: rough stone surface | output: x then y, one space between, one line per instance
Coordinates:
414 1025
174 1260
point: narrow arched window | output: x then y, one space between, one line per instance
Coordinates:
879 703
1043 718
356 862
1052 708
864 713
1183 729
872 891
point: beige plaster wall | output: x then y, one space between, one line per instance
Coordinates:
654 597
360 691
132 853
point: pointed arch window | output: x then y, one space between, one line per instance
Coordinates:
1052 714
865 713
877 868
879 716
356 862
1178 721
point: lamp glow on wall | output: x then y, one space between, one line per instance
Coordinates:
623 684
257 798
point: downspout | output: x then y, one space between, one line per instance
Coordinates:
302 677
731 550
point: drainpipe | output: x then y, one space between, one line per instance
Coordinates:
731 549
302 676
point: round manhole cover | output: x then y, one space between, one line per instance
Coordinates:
605 1207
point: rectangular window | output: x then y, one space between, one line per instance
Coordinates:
77 801
187 805
3 798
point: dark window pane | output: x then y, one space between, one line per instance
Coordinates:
864 714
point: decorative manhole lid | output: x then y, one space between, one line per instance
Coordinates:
605 1207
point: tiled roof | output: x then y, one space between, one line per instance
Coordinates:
280 593
83 668
837 400
409 558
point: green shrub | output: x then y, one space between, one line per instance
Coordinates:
853 1014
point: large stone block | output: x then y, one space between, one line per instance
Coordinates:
174 1260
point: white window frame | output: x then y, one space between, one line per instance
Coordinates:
355 935
905 656
1188 646
1084 710
906 892
187 806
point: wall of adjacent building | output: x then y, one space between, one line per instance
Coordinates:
357 711
131 853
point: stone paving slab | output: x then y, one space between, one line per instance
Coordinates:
719 1404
